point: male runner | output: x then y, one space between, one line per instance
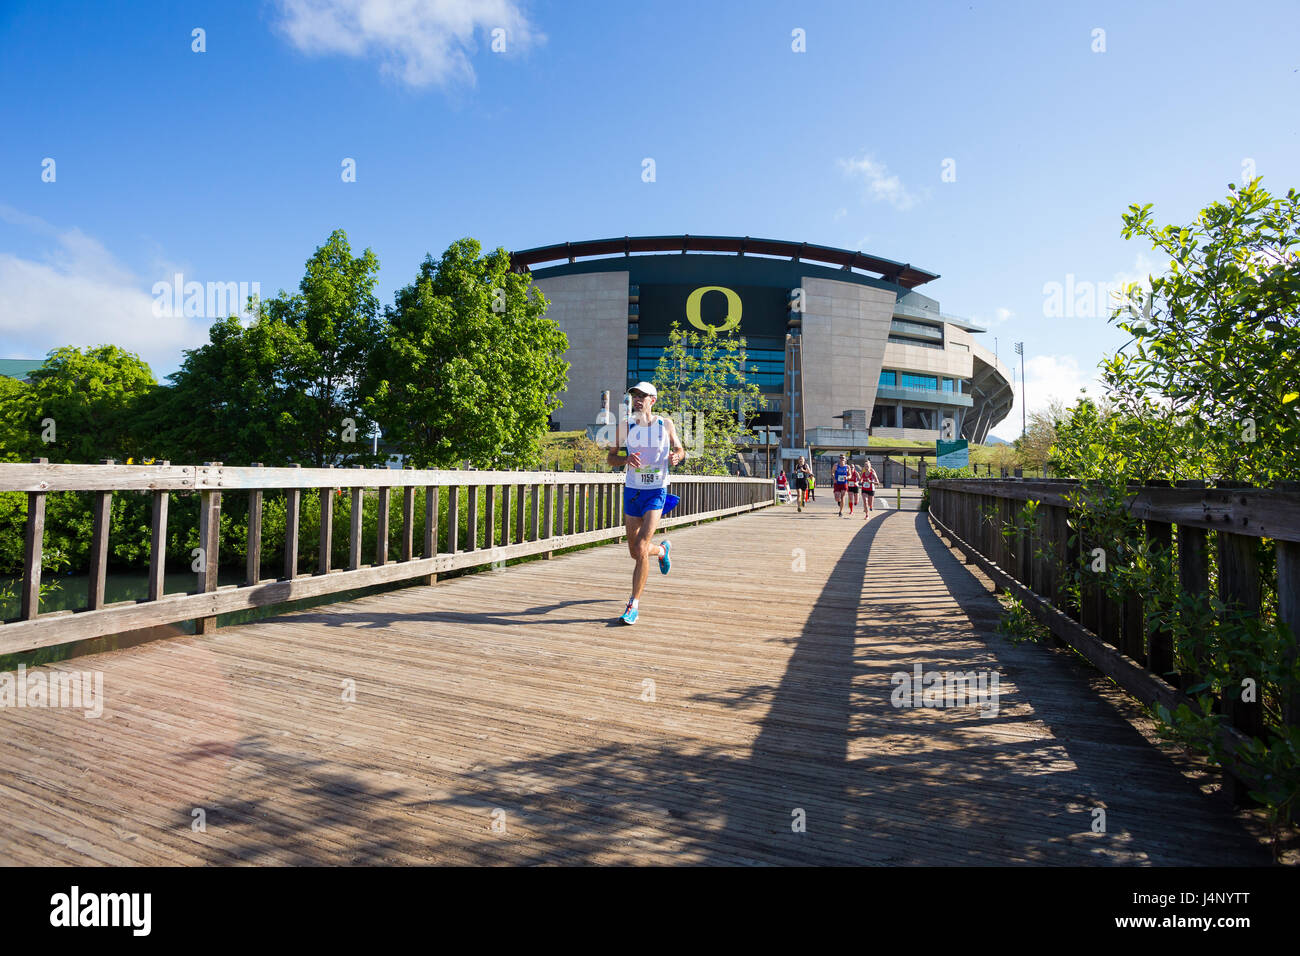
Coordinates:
840 482
652 446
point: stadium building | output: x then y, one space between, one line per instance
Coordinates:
844 345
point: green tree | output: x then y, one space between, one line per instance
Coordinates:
1208 382
285 388
334 321
470 367
15 414
702 386
91 397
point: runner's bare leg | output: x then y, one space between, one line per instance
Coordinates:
640 544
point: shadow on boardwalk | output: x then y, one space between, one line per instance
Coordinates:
875 784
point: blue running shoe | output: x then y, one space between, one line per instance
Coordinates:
629 616
665 563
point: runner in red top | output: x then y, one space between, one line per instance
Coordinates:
869 481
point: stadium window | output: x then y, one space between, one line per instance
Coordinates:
947 385
927 382
887 377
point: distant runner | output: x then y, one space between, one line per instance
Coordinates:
801 473
840 482
652 446
869 482
855 479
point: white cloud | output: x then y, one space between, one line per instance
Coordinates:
1047 377
78 294
420 42
879 184
841 213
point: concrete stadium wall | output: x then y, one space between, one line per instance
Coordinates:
591 309
844 329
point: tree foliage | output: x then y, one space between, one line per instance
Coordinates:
470 368
702 386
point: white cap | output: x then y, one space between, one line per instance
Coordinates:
645 388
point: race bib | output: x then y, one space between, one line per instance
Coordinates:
650 476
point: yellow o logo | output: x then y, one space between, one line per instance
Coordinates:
733 308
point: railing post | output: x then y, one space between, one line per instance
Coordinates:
431 528
453 519
548 515
408 520
292 510
384 494
519 514
358 510
158 539
505 515
102 511
326 528
1239 586
471 517
489 515
33 551
253 543
209 538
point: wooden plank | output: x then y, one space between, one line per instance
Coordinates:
40 475
101 510
489 515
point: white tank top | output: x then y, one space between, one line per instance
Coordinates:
651 443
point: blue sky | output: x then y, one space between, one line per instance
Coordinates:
225 165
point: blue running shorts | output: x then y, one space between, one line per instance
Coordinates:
637 501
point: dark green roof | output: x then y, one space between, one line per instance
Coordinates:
19 368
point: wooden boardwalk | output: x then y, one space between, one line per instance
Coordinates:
499 718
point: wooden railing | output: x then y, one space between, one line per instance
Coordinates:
1184 519
589 508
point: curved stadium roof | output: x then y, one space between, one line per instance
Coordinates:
902 273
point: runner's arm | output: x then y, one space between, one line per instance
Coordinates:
678 453
614 458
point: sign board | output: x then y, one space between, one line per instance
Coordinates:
953 454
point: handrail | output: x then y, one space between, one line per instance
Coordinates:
1117 636
563 510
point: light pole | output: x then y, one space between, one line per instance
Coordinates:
1024 401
